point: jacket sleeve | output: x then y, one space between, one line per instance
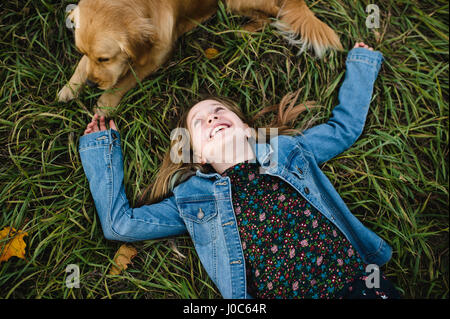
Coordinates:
102 160
347 121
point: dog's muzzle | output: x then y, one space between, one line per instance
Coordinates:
91 84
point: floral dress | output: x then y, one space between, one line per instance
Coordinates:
291 250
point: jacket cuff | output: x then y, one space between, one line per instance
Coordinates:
98 139
373 58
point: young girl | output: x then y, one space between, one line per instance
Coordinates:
265 221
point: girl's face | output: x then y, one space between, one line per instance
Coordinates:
212 126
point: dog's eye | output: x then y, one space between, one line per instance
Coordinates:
103 59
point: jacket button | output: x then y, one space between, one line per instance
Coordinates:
306 189
200 214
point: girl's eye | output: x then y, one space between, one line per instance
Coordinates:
219 109
103 59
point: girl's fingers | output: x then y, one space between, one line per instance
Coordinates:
112 125
88 129
93 125
102 123
362 45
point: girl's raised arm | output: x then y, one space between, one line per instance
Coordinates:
101 156
346 124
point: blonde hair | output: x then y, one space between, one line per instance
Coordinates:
171 174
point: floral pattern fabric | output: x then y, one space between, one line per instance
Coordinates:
291 250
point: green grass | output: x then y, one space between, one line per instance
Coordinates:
394 179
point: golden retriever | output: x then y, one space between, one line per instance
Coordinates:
122 40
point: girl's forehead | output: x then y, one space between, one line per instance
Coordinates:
202 106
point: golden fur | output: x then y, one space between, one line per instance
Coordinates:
113 35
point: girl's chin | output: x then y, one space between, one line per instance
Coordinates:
226 150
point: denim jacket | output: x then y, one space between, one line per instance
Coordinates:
202 205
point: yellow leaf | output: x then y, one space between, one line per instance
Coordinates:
211 53
13 245
122 258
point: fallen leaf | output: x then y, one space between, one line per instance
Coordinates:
377 35
122 258
13 245
174 247
211 53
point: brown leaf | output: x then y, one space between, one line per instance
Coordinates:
15 246
377 35
122 258
211 53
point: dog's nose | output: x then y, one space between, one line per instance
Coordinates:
91 84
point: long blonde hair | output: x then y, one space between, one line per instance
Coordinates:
172 174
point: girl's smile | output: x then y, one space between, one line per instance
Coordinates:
214 131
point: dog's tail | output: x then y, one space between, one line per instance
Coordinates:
298 24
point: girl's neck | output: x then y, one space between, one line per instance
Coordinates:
240 157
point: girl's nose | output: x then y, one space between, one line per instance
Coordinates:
211 117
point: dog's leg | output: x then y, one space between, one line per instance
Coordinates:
255 25
109 100
259 11
296 19
76 82
257 22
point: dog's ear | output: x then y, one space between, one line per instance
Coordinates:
142 31
126 47
141 34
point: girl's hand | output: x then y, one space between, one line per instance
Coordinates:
93 126
362 45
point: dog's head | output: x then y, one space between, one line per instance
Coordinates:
113 35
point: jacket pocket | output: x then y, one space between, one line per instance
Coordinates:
200 216
298 164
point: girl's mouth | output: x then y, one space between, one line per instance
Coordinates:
218 129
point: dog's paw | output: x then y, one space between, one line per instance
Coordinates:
66 94
101 111
107 103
